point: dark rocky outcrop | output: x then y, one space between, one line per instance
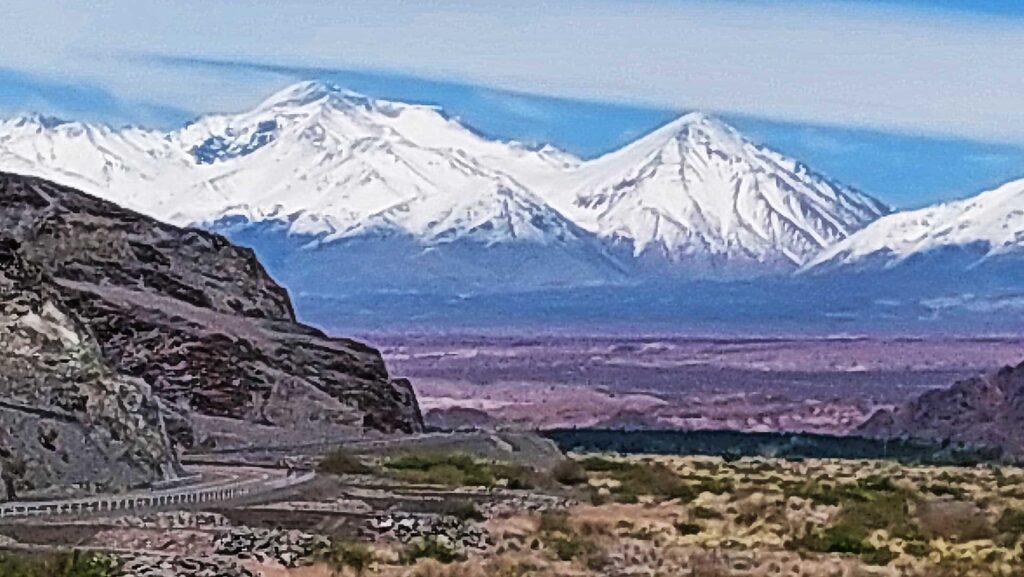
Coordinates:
68 423
460 419
200 321
986 411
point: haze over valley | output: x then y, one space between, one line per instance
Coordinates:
467 289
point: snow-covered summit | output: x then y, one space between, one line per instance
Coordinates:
327 166
988 226
696 189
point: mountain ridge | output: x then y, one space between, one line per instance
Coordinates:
984 411
314 166
986 226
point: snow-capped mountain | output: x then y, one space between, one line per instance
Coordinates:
335 189
696 192
329 162
987 229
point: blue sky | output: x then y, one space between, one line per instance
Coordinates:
914 101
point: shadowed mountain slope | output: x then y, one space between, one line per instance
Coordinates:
200 321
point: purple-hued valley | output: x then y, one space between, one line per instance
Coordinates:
826 385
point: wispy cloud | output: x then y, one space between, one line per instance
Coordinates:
24 93
852 64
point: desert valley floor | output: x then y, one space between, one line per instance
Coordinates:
824 385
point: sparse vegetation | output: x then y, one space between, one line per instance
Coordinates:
341 462
1011 523
459 470
569 472
687 528
634 479
462 509
344 555
569 544
496 567
431 547
701 512
845 538
72 564
868 505
685 516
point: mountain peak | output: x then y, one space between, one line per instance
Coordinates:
36 119
696 117
301 93
979 229
324 162
697 190
701 124
314 91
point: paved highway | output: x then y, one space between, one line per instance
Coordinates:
216 485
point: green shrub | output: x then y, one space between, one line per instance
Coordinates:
348 555
712 485
568 548
462 509
705 513
1011 522
838 539
746 519
688 528
890 512
603 465
458 470
848 539
554 522
569 472
917 549
866 490
567 544
431 547
340 462
875 503
637 479
516 476
70 564
845 537
881 557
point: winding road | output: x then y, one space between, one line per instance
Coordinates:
216 484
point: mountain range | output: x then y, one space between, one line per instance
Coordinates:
341 194
979 232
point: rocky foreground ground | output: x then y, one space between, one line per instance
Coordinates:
428 514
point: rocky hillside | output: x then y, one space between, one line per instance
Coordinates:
201 322
986 410
67 421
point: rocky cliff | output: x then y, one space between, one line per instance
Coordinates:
983 411
67 422
201 322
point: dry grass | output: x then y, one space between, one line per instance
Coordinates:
757 518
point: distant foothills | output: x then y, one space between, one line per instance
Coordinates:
346 198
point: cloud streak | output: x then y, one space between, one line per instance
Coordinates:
883 67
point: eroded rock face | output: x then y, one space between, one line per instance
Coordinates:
200 321
68 423
983 411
